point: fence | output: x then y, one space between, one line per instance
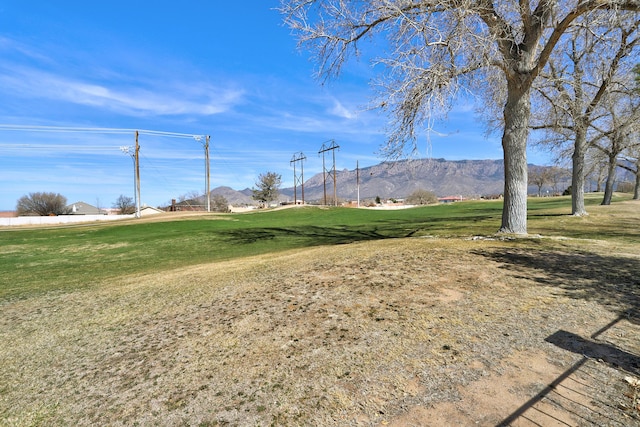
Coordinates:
60 219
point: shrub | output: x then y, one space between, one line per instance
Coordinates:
422 197
42 204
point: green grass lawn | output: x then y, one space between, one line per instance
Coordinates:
66 257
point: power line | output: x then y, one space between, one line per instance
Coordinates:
71 129
94 148
61 147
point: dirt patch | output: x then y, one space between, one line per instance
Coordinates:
400 332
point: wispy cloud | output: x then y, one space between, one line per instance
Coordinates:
8 45
155 99
341 111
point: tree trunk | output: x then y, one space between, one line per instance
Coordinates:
577 177
599 179
611 178
636 188
517 112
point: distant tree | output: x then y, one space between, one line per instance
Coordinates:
125 205
591 63
268 185
334 202
43 204
192 197
596 168
558 175
539 176
422 197
631 163
219 203
617 133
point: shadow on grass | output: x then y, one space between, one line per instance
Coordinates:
314 235
311 235
609 280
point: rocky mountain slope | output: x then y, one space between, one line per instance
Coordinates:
468 178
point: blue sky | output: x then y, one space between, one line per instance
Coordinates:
230 70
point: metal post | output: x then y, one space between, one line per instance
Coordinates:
295 179
335 193
298 157
324 149
302 177
324 177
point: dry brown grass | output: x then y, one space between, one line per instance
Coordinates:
397 332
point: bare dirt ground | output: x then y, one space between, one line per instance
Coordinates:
406 332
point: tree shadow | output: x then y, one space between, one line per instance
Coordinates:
309 235
605 352
590 350
316 235
612 281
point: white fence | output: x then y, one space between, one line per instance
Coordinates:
60 219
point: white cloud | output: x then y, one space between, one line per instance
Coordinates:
341 111
147 98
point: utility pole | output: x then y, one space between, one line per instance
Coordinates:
358 181
137 160
323 150
207 171
298 157
136 172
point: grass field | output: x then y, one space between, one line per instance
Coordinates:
311 316
67 257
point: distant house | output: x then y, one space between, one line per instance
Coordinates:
82 208
148 210
451 199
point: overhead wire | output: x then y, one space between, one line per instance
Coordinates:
59 147
155 169
37 128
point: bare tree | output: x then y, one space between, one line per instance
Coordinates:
616 132
438 48
125 205
43 204
539 176
422 197
630 162
632 155
588 65
268 184
596 168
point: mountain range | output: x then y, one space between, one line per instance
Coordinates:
398 179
